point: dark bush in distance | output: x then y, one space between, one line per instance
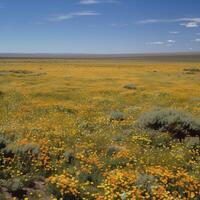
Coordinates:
169 120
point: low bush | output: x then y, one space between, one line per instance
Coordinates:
112 150
69 157
1 93
161 140
117 116
177 123
23 149
130 86
192 69
15 187
3 141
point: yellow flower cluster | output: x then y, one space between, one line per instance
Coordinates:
178 184
118 183
141 139
65 183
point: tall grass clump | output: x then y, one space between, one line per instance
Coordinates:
177 123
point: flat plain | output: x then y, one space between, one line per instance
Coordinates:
71 129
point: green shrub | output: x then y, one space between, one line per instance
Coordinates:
130 86
1 93
69 157
192 69
21 150
112 150
169 120
3 141
117 116
95 177
15 186
161 140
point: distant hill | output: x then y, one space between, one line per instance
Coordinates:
188 56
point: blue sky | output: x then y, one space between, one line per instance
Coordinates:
99 26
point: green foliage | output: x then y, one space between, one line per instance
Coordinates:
1 94
14 184
43 111
169 120
56 192
117 116
130 86
160 140
12 102
69 157
192 70
112 150
146 181
95 176
3 141
22 150
16 187
22 154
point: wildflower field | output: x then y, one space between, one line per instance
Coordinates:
99 129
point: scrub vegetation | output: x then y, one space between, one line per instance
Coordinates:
99 129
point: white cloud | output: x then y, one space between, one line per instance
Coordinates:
92 2
197 40
72 15
154 21
187 22
167 43
174 32
190 24
171 41
86 2
155 43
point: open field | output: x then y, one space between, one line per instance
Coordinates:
70 129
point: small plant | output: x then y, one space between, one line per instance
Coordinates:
69 157
1 93
112 150
130 86
15 187
3 141
23 149
192 69
117 116
175 122
141 139
161 140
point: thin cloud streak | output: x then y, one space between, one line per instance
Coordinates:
167 43
187 22
93 2
155 43
68 16
89 2
174 32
